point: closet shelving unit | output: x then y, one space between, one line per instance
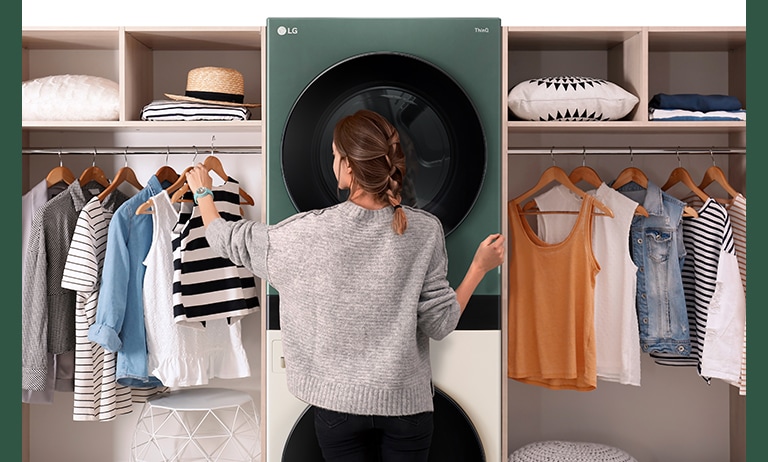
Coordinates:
644 61
146 63
150 61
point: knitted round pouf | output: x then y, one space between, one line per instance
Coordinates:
569 451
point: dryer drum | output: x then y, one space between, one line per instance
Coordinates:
454 439
439 127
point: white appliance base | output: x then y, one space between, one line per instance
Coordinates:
466 365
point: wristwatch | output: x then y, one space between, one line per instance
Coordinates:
201 192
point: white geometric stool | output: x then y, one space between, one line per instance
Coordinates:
198 424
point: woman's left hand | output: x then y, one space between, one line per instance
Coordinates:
490 253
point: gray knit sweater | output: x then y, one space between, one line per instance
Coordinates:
358 303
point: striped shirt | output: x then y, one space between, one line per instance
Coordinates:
97 395
206 286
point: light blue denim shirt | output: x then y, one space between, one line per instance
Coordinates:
656 245
119 325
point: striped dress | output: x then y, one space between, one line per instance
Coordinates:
206 286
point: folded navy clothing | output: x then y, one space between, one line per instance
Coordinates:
682 114
695 102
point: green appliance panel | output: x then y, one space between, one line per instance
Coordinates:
298 50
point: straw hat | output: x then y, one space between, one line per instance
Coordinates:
215 85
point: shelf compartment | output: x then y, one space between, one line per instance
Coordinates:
614 54
157 61
87 51
679 57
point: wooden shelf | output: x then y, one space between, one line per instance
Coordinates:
628 127
146 126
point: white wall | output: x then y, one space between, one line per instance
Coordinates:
511 12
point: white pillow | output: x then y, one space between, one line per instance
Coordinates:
70 97
570 98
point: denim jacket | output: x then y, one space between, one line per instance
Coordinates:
119 325
656 245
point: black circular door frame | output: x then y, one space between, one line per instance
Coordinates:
439 126
455 438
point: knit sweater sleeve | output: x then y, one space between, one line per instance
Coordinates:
439 311
244 242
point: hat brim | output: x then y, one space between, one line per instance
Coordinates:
197 100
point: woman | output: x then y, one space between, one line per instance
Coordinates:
362 288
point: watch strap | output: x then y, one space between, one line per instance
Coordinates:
202 192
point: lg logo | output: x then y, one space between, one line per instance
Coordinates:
282 30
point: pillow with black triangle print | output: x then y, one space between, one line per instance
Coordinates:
570 98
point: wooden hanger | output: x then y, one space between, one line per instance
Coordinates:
146 207
585 173
93 173
588 174
166 174
59 174
630 174
715 174
681 175
125 173
556 173
212 163
633 174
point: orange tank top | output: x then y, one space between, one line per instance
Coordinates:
551 305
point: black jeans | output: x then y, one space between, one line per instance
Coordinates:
358 438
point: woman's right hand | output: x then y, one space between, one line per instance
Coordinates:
198 177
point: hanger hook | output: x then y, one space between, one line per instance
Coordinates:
631 157
712 155
583 156
213 138
94 158
125 155
552 155
677 153
193 159
167 154
61 161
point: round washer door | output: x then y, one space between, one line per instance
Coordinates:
455 438
440 131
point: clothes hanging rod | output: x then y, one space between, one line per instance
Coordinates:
143 150
626 150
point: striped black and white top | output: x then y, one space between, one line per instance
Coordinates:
177 355
186 110
206 286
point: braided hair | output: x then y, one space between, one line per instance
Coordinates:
371 146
